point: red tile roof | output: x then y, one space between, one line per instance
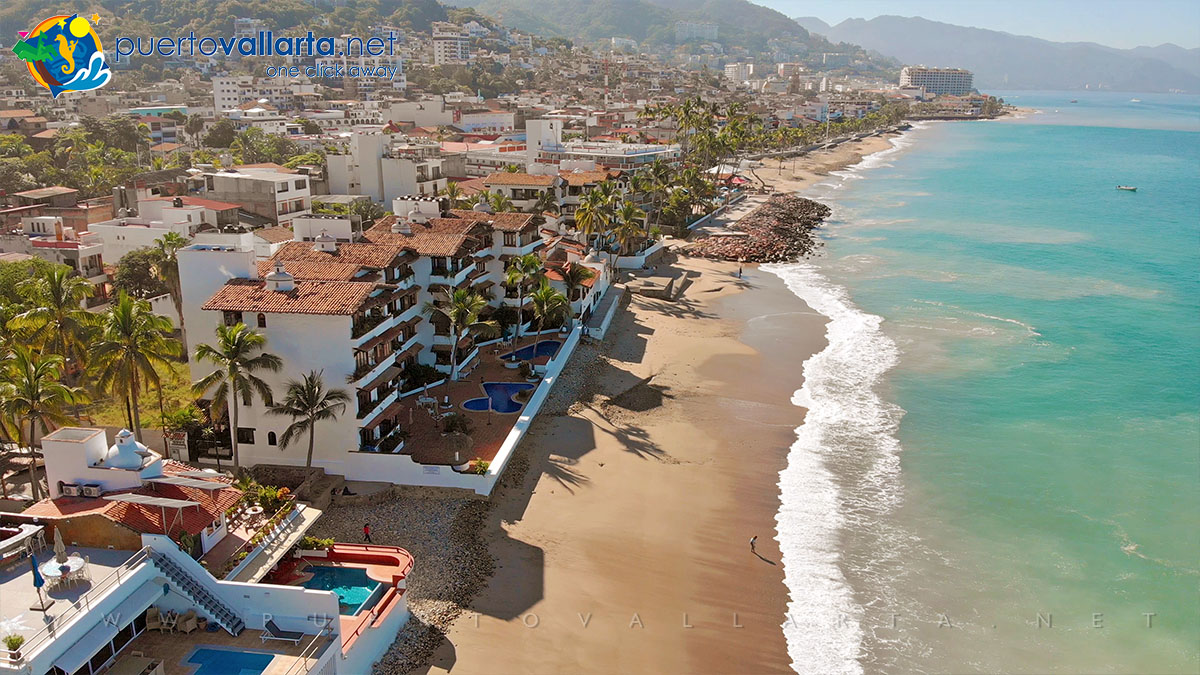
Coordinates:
307 297
149 519
372 254
315 271
580 178
505 222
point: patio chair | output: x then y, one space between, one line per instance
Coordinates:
274 632
154 619
187 623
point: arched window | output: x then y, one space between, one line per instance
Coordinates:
262 320
270 434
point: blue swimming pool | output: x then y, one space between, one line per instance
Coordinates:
229 661
501 395
355 590
542 348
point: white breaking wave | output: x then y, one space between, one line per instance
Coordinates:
844 415
824 623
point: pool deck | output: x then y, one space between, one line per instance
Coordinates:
173 648
426 444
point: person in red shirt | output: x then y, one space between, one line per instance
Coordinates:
367 533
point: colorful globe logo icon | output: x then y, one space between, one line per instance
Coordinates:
63 53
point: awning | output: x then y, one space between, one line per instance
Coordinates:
388 373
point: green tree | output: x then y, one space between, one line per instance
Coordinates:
221 134
308 402
521 270
453 192
500 203
237 355
138 274
34 398
462 308
134 344
167 247
573 277
548 306
55 320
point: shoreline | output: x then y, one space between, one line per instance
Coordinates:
634 493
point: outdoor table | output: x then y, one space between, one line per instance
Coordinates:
253 513
52 569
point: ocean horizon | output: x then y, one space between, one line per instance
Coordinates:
998 469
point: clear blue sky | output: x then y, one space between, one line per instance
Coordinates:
1116 23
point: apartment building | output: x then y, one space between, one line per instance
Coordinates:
385 165
49 238
451 44
952 81
283 93
526 191
185 216
738 72
272 195
485 121
548 153
352 310
696 30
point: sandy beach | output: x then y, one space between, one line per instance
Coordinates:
622 537
801 172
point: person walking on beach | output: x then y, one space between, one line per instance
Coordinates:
753 541
367 533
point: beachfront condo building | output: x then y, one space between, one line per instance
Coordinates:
952 81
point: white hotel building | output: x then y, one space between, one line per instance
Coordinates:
951 81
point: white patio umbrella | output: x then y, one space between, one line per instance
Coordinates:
60 549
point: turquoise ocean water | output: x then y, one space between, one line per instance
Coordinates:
1000 470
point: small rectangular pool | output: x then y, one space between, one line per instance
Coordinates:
355 590
229 661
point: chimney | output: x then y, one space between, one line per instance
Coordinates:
279 280
403 224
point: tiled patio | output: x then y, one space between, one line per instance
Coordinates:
174 648
17 593
488 429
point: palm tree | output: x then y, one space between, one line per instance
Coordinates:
548 305
573 277
462 308
631 226
133 346
168 247
546 201
500 202
591 218
236 356
308 402
520 270
56 321
32 394
453 192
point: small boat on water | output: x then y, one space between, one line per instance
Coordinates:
1127 187
1135 100
1074 100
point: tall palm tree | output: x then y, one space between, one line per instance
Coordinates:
236 357
631 226
307 402
520 270
547 201
32 395
548 304
134 345
462 308
168 247
592 217
56 320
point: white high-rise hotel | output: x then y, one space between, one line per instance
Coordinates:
952 81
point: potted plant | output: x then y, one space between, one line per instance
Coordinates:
13 644
479 466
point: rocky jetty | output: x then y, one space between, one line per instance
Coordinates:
781 230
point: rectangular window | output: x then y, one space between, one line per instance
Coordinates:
245 435
300 185
510 239
233 318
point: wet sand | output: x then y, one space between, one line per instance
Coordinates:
621 532
801 172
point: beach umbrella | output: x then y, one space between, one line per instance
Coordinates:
457 443
38 582
60 549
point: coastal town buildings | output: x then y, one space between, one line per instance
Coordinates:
272 195
696 30
384 165
451 44
951 81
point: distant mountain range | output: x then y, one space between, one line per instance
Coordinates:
1005 61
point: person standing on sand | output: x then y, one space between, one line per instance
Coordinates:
753 541
367 533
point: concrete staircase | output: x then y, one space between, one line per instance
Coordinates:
195 590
